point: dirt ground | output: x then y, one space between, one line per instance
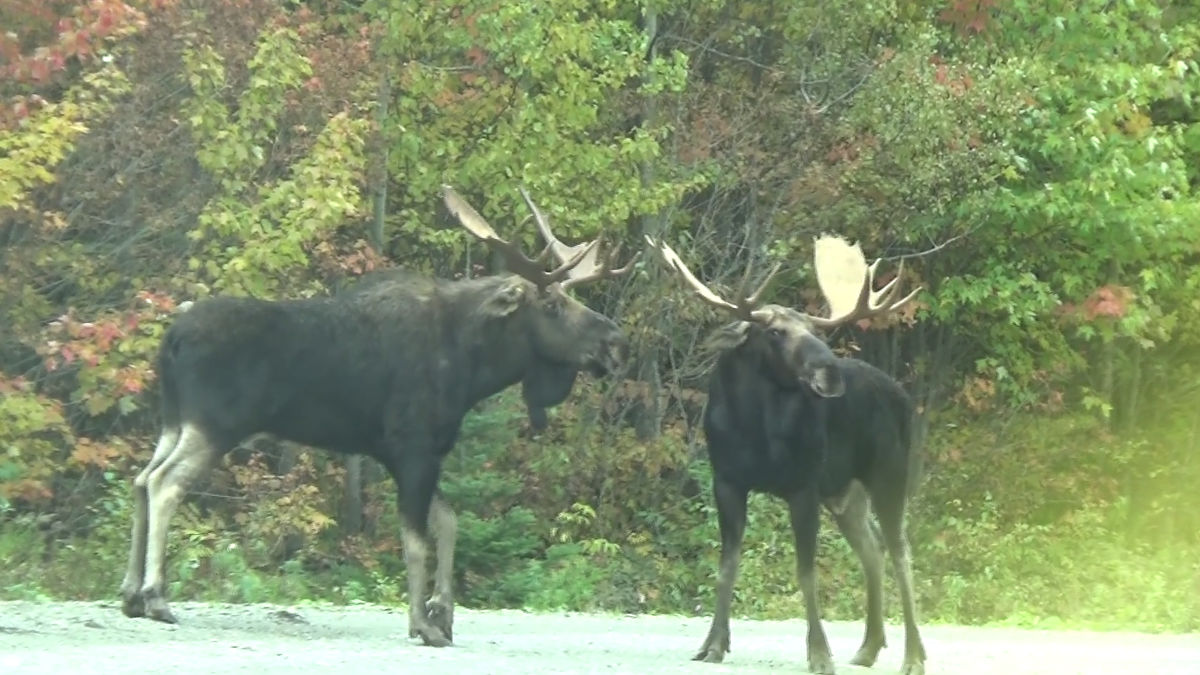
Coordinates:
93 637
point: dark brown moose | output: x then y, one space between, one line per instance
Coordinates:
785 416
388 371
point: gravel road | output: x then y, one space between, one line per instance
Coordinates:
93 637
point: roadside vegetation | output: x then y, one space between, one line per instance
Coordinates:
1038 165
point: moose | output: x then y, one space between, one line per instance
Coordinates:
787 417
387 371
545 384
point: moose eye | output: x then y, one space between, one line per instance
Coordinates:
775 332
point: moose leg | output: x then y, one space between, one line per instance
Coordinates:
860 531
166 487
417 479
132 603
806 518
731 518
891 521
444 526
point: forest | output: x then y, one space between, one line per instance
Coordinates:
1034 164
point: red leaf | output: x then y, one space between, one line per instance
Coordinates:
39 70
477 56
1110 301
131 382
27 489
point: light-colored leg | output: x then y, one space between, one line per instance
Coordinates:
132 604
855 523
444 526
416 561
167 486
892 523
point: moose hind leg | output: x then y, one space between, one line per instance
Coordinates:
166 487
892 523
444 526
132 602
805 514
860 531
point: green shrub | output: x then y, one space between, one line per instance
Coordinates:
1033 522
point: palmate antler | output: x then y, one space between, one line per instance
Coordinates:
518 263
577 264
590 267
746 305
842 273
848 284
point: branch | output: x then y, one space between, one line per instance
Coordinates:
706 48
934 248
446 69
866 74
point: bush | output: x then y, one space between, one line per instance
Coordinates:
1035 521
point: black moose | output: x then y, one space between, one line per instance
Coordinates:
787 417
387 371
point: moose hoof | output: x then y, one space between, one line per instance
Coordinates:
132 605
432 636
864 659
710 655
821 665
441 616
157 609
162 614
913 668
866 656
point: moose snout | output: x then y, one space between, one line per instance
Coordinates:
827 381
618 348
612 353
819 367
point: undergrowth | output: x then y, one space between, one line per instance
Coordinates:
1020 524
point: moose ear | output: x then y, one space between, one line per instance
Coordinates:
728 336
505 300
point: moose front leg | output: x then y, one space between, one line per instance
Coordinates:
417 476
444 526
731 517
806 518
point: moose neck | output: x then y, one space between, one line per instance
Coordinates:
499 350
747 363
500 363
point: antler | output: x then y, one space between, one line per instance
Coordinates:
518 263
589 267
848 284
747 305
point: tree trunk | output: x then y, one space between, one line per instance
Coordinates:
648 415
289 453
351 517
